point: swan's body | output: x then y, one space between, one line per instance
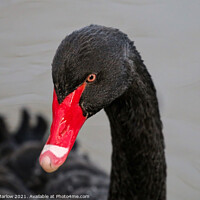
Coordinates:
120 83
18 156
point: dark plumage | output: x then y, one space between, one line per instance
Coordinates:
20 172
79 176
10 183
26 132
124 88
19 152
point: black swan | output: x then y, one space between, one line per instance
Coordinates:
98 67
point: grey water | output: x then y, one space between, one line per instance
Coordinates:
166 33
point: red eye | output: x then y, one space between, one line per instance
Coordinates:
91 78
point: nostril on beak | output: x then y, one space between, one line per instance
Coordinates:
46 164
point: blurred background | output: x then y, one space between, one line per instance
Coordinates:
166 33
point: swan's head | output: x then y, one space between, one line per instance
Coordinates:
91 68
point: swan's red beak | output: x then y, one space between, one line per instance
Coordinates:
67 120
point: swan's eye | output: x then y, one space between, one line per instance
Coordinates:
91 78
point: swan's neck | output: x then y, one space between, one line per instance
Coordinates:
138 161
